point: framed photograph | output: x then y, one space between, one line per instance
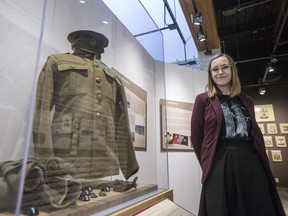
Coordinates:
272 128
283 128
268 141
264 113
262 128
276 155
280 141
175 119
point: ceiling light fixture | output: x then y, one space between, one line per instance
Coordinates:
262 90
274 60
270 69
200 35
197 20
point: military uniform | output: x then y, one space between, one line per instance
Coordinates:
89 127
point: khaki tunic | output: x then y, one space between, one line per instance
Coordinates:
89 126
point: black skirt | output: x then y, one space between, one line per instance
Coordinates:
238 184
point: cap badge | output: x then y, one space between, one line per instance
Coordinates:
93 42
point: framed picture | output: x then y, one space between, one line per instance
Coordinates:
262 128
175 125
280 141
268 141
283 128
272 128
276 155
264 113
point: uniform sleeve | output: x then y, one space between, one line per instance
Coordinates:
42 121
197 126
126 152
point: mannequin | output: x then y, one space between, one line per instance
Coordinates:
89 128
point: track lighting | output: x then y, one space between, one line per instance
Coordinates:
270 66
274 60
200 35
262 90
197 20
270 69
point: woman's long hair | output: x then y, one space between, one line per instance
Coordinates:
212 88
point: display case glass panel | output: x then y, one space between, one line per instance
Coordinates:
79 103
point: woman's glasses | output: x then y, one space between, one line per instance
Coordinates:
223 68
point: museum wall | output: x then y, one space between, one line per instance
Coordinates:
20 29
277 97
182 85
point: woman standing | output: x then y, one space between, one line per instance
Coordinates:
236 178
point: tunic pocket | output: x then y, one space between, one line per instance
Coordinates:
73 79
62 130
93 134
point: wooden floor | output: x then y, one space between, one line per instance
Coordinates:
283 193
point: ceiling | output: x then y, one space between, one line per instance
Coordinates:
253 32
158 22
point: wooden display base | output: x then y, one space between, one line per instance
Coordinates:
146 204
96 205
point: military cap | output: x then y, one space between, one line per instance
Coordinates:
89 41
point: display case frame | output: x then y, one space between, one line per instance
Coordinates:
35 30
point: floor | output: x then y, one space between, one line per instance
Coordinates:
283 193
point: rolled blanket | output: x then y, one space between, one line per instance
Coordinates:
48 186
56 166
10 173
62 191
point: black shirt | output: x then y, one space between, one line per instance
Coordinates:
237 122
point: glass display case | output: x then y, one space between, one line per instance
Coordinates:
79 106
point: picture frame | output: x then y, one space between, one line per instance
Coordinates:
280 141
264 113
283 128
272 128
268 141
276 155
262 128
175 125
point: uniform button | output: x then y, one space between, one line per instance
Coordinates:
66 124
98 79
99 97
96 65
72 66
58 130
98 115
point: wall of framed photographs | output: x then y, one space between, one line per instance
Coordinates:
272 116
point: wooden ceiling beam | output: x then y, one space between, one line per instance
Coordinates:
209 25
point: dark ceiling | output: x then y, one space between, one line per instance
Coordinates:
253 32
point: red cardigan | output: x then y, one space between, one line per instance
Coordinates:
206 124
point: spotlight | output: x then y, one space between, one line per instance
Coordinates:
200 35
262 90
270 69
274 60
198 19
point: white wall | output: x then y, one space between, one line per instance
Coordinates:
183 84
